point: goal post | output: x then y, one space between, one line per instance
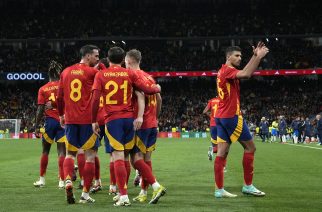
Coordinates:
9 128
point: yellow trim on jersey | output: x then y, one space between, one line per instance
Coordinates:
62 139
220 140
214 141
90 142
139 143
70 147
47 138
238 130
151 148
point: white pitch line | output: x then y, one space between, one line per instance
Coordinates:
305 146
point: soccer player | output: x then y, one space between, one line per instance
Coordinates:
74 106
319 127
264 129
282 129
231 126
116 85
295 126
146 136
212 106
274 131
53 130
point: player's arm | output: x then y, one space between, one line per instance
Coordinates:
60 102
141 105
259 52
96 94
159 104
40 111
145 86
207 108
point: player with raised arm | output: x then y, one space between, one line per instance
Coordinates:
74 106
116 85
231 126
146 136
53 131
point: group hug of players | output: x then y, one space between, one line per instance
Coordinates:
125 103
89 101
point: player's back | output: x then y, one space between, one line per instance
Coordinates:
228 92
150 110
77 81
213 104
46 93
117 91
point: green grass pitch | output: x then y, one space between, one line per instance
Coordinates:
290 175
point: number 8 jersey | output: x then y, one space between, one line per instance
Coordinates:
76 83
228 92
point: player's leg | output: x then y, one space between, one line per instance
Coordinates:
43 164
89 142
98 184
116 135
108 150
248 144
60 139
61 151
223 144
47 140
149 139
80 165
72 145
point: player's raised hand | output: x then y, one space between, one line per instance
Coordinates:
137 123
96 129
261 50
159 87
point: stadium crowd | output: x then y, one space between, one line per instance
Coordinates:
184 100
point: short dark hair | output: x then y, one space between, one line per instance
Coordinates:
116 55
134 54
87 49
230 49
105 61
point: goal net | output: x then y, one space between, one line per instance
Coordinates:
9 128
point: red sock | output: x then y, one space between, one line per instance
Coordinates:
97 168
112 174
81 164
68 168
145 171
144 184
219 171
128 170
121 175
248 164
61 166
43 164
88 175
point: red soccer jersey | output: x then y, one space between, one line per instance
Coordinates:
228 92
76 83
213 105
47 93
116 85
150 110
101 112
